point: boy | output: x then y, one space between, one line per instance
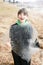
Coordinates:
23 39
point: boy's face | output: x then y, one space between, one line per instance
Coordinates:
22 17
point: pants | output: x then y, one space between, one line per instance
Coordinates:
18 60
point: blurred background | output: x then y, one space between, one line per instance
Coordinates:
8 16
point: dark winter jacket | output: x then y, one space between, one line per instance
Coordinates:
23 40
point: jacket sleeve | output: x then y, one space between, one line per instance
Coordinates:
12 31
34 35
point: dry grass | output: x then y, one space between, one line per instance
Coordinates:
7 17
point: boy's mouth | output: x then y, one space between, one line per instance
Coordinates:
21 18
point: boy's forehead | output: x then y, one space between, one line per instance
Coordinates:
22 14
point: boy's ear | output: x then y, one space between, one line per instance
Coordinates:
17 16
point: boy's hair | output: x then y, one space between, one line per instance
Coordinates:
24 11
